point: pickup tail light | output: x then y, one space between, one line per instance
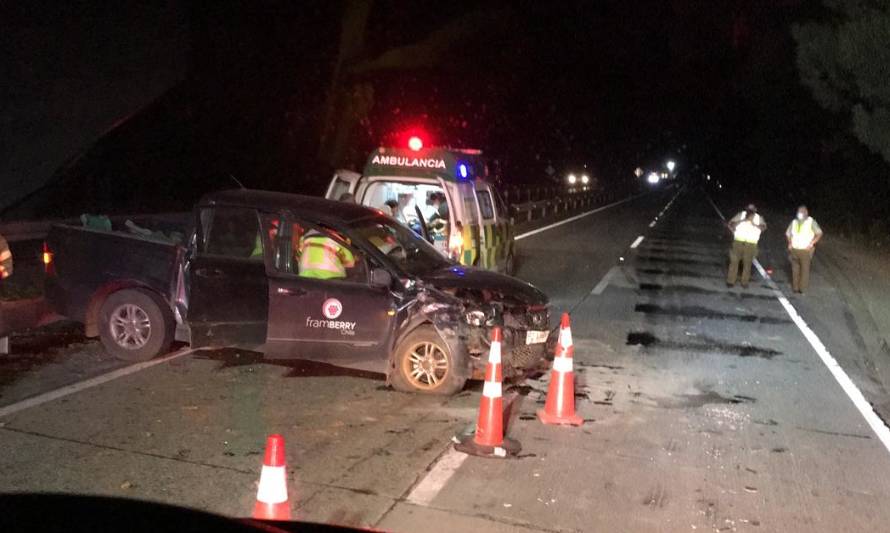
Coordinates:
47 259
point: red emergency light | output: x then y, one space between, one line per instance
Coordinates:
415 143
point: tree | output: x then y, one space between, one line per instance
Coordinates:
844 59
353 93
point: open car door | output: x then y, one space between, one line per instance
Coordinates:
228 302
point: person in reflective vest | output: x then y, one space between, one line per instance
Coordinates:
322 257
5 259
746 228
273 236
802 234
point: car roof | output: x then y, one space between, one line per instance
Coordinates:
312 207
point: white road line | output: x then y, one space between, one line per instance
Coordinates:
601 286
86 384
574 218
852 391
637 242
862 405
652 224
426 490
719 212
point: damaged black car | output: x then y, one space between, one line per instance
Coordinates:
297 277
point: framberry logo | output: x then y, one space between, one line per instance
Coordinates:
332 308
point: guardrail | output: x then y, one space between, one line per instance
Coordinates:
526 204
528 211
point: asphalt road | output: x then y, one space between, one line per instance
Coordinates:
705 408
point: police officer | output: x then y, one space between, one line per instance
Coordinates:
746 228
5 259
322 257
802 234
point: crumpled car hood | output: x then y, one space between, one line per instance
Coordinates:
460 277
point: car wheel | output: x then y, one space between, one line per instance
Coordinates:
424 363
133 326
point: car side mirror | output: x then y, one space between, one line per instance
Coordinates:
381 277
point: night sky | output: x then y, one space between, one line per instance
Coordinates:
280 93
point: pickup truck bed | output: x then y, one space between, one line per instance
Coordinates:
88 264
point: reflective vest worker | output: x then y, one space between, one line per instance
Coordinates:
273 236
746 228
802 234
323 258
5 259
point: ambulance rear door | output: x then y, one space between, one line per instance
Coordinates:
505 231
491 244
464 222
343 182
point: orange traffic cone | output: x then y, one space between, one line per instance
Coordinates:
560 405
488 440
271 496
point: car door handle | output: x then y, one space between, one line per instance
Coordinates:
290 292
210 273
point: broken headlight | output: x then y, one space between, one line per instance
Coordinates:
476 318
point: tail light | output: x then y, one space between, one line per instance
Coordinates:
47 259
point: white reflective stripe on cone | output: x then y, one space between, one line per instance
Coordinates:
494 355
565 337
273 485
5 254
491 389
562 364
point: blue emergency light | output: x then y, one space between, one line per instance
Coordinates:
462 168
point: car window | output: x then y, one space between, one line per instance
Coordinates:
282 238
312 252
232 232
485 206
340 188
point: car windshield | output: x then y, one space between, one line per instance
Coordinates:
404 248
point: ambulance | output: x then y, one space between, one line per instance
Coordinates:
443 194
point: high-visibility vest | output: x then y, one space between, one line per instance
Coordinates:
5 259
323 258
746 231
802 233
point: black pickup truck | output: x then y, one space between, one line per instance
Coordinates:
236 280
